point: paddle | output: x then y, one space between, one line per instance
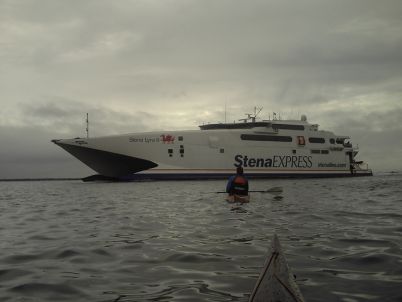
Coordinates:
272 190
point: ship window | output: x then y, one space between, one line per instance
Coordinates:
315 151
265 138
332 141
222 150
234 126
316 140
301 141
288 127
324 151
180 138
170 151
181 151
294 151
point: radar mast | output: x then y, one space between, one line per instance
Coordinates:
252 116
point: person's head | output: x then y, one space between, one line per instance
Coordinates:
239 170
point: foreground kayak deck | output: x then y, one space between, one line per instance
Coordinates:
276 282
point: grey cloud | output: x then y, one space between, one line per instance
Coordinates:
26 152
68 117
375 123
59 108
206 41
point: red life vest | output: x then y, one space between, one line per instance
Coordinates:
240 180
240 185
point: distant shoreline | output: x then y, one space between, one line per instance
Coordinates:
38 179
80 178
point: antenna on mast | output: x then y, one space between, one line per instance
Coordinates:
225 112
257 110
87 129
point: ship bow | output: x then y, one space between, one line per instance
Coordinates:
107 163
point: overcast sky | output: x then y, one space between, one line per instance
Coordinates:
140 65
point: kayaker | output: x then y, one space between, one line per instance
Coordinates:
237 184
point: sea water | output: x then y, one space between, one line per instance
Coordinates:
180 241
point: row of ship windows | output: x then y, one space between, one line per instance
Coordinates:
315 151
320 151
222 150
288 127
278 138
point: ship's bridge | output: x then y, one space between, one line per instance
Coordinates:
249 125
275 125
251 122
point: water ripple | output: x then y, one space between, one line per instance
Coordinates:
47 290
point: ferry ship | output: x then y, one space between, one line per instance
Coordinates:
271 148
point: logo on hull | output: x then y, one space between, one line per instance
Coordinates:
167 139
277 161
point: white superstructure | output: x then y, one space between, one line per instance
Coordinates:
265 149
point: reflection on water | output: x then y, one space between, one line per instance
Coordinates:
179 241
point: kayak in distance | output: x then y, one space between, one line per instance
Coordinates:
276 282
238 198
